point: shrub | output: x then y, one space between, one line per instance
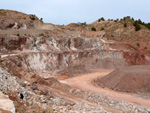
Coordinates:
93 29
41 19
146 25
112 35
139 21
142 23
137 27
41 34
126 17
138 44
101 19
135 23
18 34
32 17
116 20
125 25
83 23
145 47
102 28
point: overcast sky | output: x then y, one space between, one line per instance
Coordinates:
73 11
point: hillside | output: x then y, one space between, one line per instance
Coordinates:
36 58
133 79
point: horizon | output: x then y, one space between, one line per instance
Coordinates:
71 11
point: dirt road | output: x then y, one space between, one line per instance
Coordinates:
84 82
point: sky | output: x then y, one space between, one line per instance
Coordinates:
74 11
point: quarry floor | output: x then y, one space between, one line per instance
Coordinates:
85 82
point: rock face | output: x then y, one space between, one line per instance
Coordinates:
130 79
31 52
49 44
49 55
6 103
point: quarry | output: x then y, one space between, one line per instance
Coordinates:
73 68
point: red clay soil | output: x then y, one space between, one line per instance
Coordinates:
62 77
85 82
130 79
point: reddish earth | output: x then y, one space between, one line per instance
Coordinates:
62 77
35 51
84 82
129 79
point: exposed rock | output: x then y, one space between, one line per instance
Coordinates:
6 103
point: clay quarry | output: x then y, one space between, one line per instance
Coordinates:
102 67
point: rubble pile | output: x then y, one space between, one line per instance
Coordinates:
105 101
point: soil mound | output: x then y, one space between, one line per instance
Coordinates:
129 79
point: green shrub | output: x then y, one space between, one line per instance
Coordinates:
125 25
137 27
32 17
138 44
132 18
146 25
102 28
135 23
18 34
101 19
126 17
41 34
116 20
83 23
142 23
41 19
93 29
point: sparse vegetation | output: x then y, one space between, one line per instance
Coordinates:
102 28
32 17
147 25
141 23
18 34
101 19
93 29
41 34
41 19
127 17
83 23
125 24
138 44
116 20
112 35
137 26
